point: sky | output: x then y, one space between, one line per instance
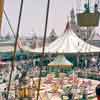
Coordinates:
33 16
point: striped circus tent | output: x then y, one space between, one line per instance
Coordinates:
60 61
68 42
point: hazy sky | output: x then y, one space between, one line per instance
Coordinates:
34 12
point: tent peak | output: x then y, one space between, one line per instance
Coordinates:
68 27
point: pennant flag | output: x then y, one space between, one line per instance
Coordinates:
1 11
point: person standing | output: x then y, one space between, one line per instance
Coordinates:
70 96
4 93
98 91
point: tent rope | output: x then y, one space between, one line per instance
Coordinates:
12 30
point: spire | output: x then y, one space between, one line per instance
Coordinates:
72 15
67 27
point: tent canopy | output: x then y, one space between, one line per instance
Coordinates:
60 61
69 42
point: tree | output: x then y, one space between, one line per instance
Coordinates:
52 36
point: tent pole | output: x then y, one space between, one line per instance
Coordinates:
77 59
1 13
88 5
44 40
15 47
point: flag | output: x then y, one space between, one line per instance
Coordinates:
1 11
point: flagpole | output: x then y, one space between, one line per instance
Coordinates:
15 47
